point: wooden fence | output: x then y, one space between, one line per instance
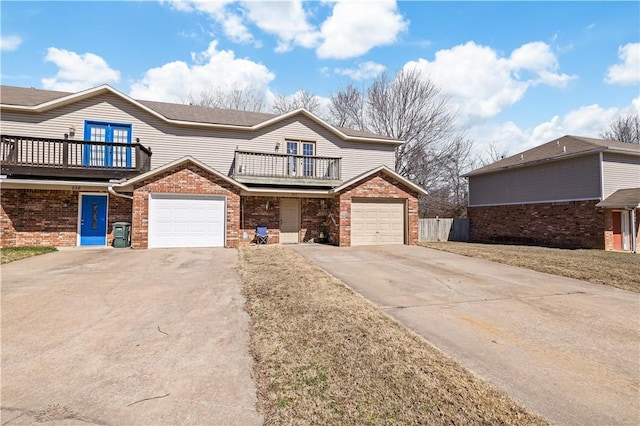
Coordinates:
444 229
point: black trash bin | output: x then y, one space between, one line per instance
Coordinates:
121 234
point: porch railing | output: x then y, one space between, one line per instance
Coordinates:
260 167
65 157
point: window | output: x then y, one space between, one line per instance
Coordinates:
300 158
107 155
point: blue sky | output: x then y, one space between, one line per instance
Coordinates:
519 73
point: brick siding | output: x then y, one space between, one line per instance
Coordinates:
39 217
186 178
379 185
566 225
50 217
314 218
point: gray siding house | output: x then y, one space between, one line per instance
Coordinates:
73 164
563 193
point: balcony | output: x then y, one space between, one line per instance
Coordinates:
286 169
64 158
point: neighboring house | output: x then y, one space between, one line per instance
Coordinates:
570 192
73 164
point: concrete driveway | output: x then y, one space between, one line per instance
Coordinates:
118 336
567 349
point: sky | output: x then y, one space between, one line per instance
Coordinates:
518 74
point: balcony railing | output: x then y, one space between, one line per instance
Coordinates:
27 156
287 169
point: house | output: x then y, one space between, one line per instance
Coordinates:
73 164
570 192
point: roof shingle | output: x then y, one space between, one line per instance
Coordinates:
564 147
23 96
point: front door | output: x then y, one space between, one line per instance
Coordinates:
621 230
289 220
107 155
93 220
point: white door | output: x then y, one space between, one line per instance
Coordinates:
177 220
289 220
377 222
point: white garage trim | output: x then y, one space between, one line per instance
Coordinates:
378 221
187 220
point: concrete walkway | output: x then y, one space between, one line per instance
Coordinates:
144 337
567 349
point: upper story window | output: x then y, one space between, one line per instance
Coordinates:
107 155
296 164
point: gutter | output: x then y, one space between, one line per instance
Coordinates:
117 194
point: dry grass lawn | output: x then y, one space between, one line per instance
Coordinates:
324 355
10 254
611 268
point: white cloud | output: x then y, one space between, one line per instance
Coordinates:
10 43
587 121
175 81
627 72
286 20
354 28
482 83
231 21
78 72
364 71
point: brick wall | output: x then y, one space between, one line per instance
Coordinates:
119 211
379 185
184 179
314 217
260 211
38 217
567 225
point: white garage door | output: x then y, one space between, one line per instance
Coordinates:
186 221
377 222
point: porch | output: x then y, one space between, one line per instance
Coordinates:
66 158
286 169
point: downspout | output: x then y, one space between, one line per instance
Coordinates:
634 232
117 194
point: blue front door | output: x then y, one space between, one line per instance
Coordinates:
93 220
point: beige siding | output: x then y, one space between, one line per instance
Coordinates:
211 146
620 172
572 179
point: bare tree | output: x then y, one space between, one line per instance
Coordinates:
624 129
301 99
493 154
249 99
347 108
410 107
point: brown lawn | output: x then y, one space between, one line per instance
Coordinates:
616 269
325 355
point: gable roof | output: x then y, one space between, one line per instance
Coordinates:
558 149
385 170
37 100
623 198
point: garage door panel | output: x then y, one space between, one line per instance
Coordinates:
377 223
186 221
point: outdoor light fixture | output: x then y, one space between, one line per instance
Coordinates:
72 130
277 146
